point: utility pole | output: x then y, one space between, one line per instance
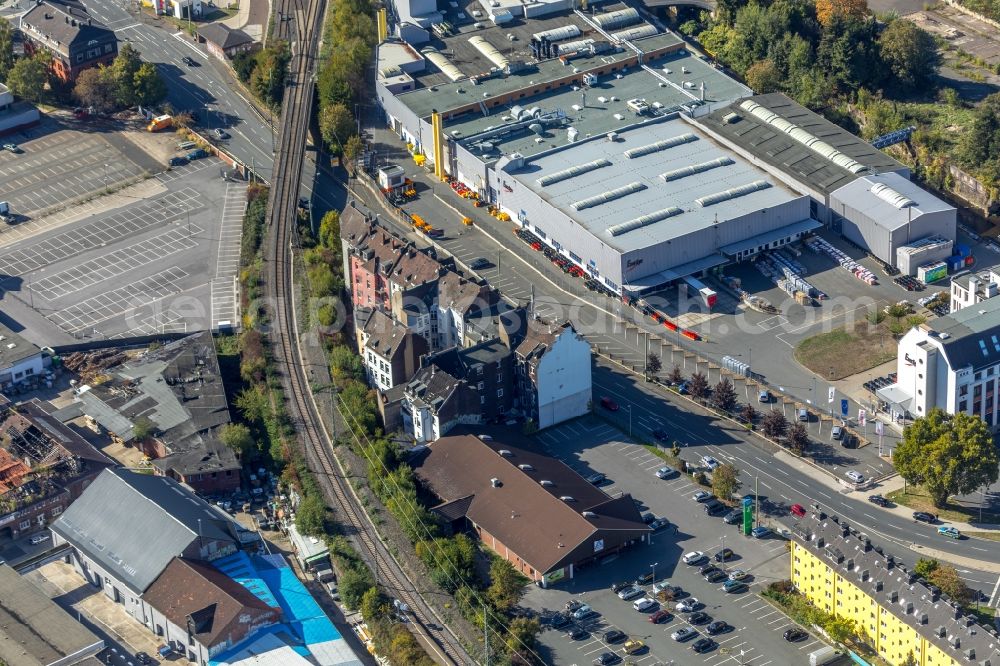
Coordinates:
756 500
486 634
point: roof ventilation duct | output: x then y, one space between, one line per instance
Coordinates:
610 195
660 145
644 221
734 193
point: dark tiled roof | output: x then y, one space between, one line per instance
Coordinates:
527 516
898 591
539 338
63 22
212 601
385 335
223 36
970 336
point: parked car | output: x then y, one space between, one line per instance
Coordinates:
633 646
734 586
583 612
660 435
694 557
764 397
597 479
143 658
702 496
659 524
662 615
559 621
578 633
630 593
950 532
688 605
618 587
196 154
479 263
709 462
189 61
699 618
855 476
665 472
178 161
794 635
717 627
614 636
12 148
609 404
733 517
40 538
715 508
716 576
703 645
661 585
606 658
836 432
879 500
797 510
643 605
682 388
645 579
684 634
724 555
761 532
923 517
737 574
648 517
573 604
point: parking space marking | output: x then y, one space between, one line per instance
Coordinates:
224 291
157 212
116 263
96 309
161 322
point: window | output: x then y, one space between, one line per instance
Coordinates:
481 385
108 47
499 377
499 393
24 524
482 400
55 511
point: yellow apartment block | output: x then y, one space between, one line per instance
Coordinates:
839 571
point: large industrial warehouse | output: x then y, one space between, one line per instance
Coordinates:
657 203
605 124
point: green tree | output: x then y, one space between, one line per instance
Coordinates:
947 454
764 76
28 77
310 515
143 429
522 637
148 86
353 584
352 150
841 629
506 585
910 55
925 567
96 87
6 49
253 404
981 141
336 125
122 73
726 481
238 438
373 604
848 52
329 230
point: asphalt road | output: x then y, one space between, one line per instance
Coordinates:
779 479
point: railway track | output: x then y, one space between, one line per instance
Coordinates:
297 105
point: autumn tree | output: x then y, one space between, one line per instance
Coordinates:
676 376
748 413
726 481
798 438
653 363
698 386
96 87
764 76
6 49
827 9
774 424
336 125
949 582
724 395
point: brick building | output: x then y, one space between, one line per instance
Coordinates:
65 30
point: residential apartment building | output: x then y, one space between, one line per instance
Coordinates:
459 386
553 373
976 289
390 352
899 615
65 30
952 363
44 467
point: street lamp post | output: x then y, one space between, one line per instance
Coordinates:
653 567
723 552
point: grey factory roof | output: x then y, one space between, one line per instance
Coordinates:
134 524
890 200
970 336
932 616
651 183
35 631
598 115
774 146
14 348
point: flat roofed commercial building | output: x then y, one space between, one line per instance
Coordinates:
659 202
